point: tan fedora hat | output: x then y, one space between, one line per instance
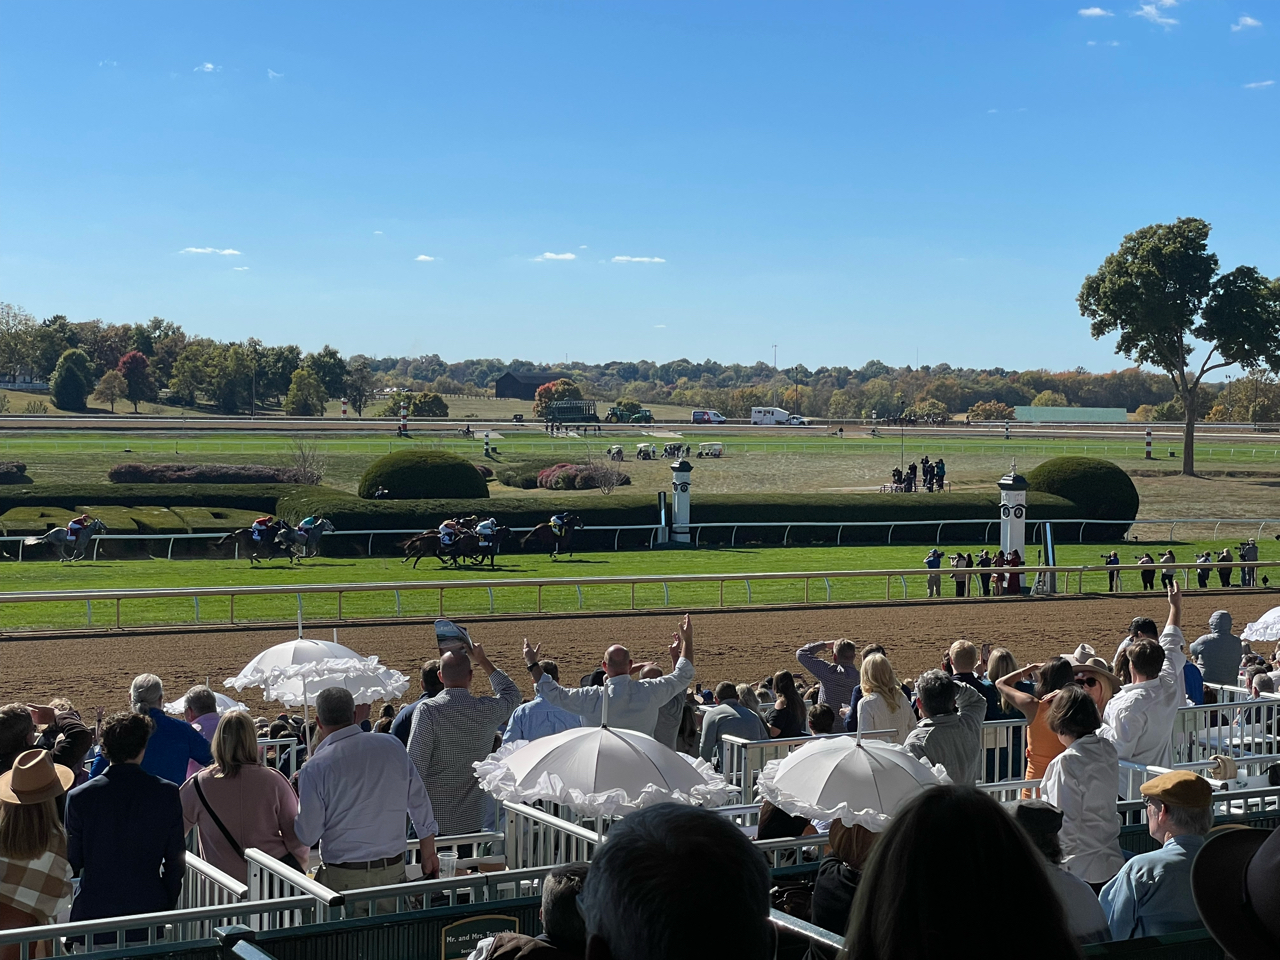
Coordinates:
35 778
1086 660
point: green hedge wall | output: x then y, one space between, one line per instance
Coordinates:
412 474
259 497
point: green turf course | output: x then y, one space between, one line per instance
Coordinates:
514 599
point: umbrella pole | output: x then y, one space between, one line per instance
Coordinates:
306 730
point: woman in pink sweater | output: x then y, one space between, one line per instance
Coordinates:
255 804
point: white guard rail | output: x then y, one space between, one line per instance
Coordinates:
204 885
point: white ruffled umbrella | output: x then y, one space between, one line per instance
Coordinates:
1266 627
292 673
600 771
850 779
225 703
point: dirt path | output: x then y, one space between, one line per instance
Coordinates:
740 646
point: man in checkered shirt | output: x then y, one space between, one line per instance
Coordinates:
453 730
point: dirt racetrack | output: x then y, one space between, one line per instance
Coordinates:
96 670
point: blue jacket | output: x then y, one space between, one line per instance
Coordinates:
122 828
173 743
403 722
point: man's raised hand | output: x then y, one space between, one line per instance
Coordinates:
531 651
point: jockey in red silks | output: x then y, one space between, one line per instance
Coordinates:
261 526
75 526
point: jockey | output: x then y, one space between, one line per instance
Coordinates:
485 529
309 522
261 526
558 523
449 530
75 526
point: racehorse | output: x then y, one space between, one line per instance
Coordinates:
270 545
308 539
58 537
428 544
545 536
492 547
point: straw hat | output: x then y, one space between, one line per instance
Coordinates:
1086 660
35 778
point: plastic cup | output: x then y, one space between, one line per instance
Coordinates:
448 864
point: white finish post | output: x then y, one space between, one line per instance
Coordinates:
681 470
1013 512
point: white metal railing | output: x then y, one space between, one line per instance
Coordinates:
204 885
1242 729
1004 750
537 838
793 851
170 926
282 754
814 934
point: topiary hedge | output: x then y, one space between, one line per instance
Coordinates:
13 472
1098 489
202 473
423 474
260 497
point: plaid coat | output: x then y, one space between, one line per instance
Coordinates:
40 887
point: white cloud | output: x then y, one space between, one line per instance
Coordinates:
1091 43
638 260
1259 85
423 257
583 247
659 326
112 63
377 233
226 253
557 256
271 74
205 68
1243 23
993 110
1112 43
1149 12
1095 12
239 268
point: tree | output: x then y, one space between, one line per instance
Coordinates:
1159 291
230 376
992 410
112 387
1049 398
17 329
359 386
428 405
72 381
549 393
189 373
306 396
329 368
275 370
135 368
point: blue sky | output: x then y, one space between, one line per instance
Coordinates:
919 182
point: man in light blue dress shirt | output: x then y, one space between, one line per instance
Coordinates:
537 718
1151 895
631 704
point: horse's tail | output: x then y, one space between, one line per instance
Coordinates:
525 538
33 541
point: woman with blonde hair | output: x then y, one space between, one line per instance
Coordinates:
747 697
883 706
33 846
239 803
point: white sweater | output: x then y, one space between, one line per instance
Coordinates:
874 714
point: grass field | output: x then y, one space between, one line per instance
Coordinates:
514 598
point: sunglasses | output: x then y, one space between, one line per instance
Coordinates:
1087 680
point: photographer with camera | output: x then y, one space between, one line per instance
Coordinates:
1249 554
1148 576
1167 574
1112 559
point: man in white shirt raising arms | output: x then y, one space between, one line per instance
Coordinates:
632 704
1139 719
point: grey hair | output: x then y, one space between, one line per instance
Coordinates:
630 901
335 707
202 700
146 693
1197 820
937 692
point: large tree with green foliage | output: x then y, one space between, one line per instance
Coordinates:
1161 290
72 381
136 370
329 367
306 395
359 387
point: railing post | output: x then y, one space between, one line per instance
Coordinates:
233 608
397 593
339 604
117 613
171 539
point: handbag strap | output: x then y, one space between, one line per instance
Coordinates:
216 819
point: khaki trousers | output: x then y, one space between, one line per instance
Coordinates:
341 879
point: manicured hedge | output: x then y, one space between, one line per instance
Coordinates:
201 473
1101 490
13 472
419 474
259 497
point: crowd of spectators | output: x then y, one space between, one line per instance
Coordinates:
341 799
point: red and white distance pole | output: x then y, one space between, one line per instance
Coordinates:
404 417
344 408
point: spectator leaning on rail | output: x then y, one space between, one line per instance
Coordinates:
1219 651
124 829
730 717
1042 821
633 704
173 742
1139 719
239 803
431 686
950 732
352 798
200 709
1151 895
1079 782
537 718
836 681
643 901
564 935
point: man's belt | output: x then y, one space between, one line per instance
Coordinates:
369 864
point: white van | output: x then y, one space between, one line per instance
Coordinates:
769 416
708 416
